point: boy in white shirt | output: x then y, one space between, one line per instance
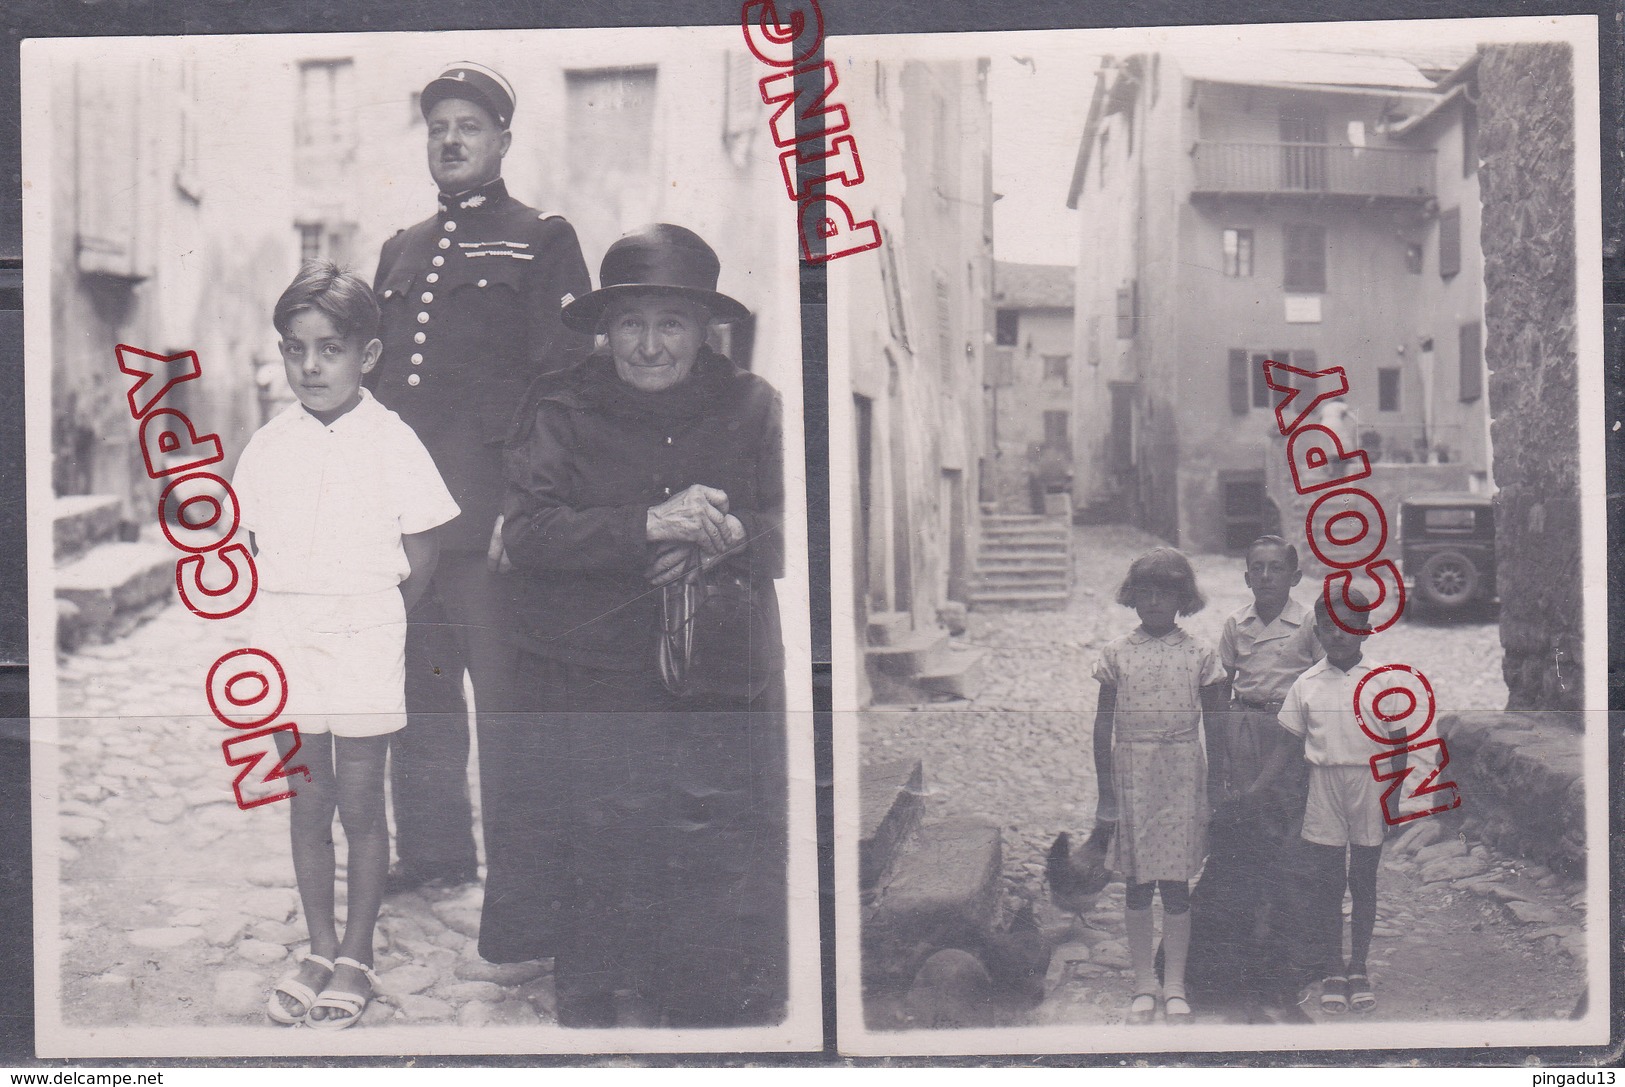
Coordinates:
1343 822
342 500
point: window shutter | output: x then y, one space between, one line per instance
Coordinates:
110 133
1449 243
1472 362
1240 382
1305 258
1388 388
1306 360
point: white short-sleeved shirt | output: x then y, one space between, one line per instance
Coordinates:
1320 708
328 504
1264 658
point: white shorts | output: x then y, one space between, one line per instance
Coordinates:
344 658
1344 807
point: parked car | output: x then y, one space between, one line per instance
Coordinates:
1447 549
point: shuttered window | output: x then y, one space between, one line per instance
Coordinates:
1388 388
1449 243
1305 257
1472 361
1240 382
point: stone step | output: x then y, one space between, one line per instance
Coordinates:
943 892
889 627
891 796
957 673
1022 597
985 590
1014 519
1019 574
1050 561
1059 534
113 580
909 657
1021 551
81 521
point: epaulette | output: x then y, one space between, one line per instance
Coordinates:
546 215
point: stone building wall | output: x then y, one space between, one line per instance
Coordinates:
1526 141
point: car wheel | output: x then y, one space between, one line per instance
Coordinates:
1448 580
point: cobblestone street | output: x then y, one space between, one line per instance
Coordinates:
1463 933
179 909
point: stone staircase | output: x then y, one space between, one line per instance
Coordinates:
907 666
1025 561
105 582
925 885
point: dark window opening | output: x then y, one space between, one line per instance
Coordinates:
1388 388
1006 327
1305 257
1449 243
1472 361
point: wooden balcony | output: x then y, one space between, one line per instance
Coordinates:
1312 169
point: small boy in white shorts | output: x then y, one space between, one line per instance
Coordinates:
1343 823
342 500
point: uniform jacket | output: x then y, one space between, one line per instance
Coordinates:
470 301
594 455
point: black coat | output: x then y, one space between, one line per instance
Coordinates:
470 300
587 464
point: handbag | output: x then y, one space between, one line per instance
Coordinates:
708 625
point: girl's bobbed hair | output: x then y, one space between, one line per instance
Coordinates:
1168 567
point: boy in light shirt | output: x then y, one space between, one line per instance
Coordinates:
1343 822
342 500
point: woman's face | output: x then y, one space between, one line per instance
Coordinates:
655 340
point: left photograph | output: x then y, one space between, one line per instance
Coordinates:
418 599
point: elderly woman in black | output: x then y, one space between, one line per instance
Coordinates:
640 837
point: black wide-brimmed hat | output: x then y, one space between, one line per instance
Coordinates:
657 259
473 83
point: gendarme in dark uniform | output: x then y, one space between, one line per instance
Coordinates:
470 299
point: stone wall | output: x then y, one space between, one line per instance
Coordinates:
1522 785
1526 142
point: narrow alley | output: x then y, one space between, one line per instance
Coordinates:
1491 937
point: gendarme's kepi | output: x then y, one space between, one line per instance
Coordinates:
657 259
474 83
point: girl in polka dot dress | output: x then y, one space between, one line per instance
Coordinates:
1157 683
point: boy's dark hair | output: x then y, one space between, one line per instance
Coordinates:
1356 599
344 296
1273 540
1163 566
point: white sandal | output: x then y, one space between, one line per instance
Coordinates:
291 986
342 999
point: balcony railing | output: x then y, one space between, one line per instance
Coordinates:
1315 168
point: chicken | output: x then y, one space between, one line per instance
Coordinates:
1074 883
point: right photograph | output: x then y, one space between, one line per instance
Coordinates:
1218 540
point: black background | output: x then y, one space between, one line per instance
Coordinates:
68 18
